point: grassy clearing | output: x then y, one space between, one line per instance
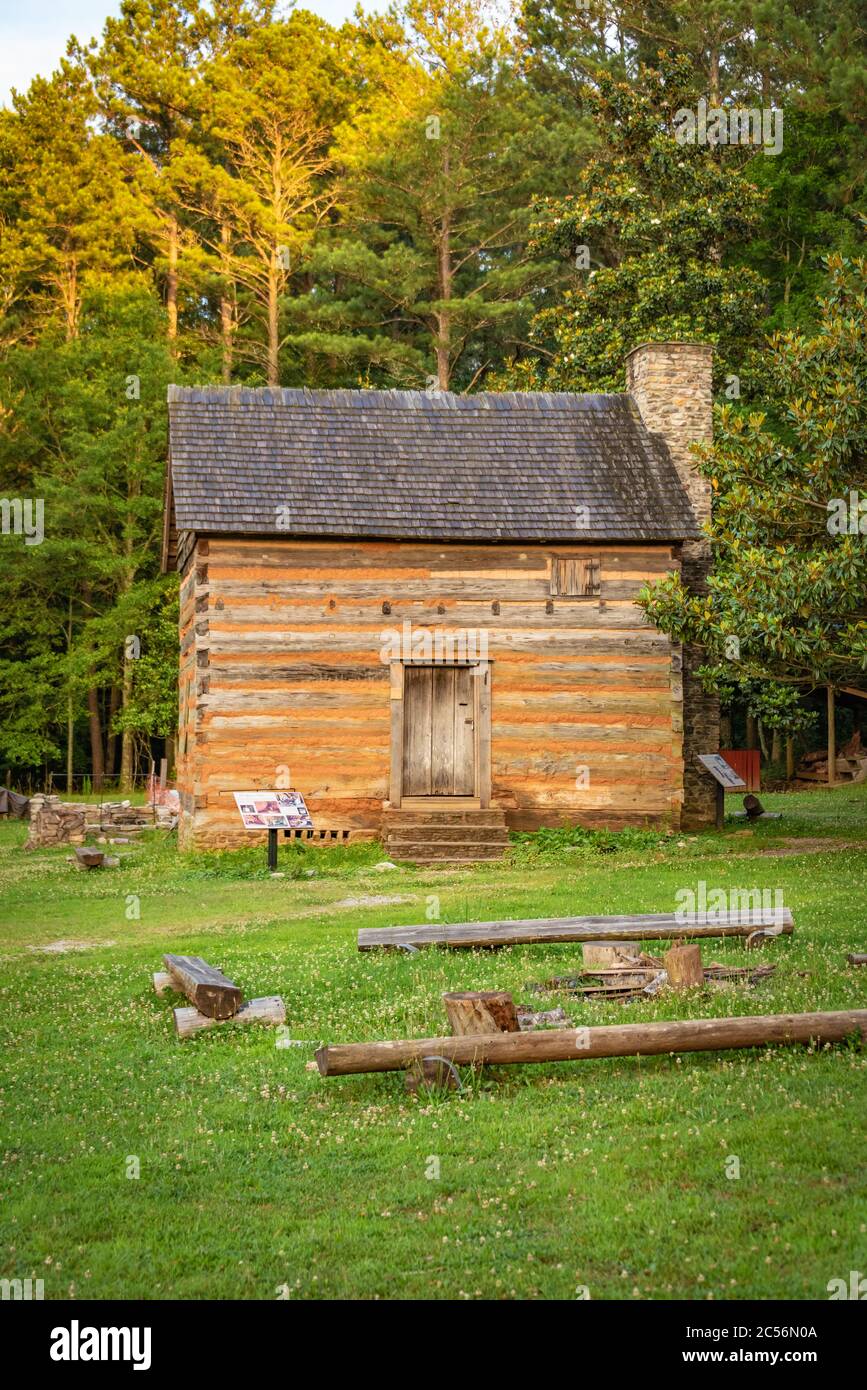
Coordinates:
256 1174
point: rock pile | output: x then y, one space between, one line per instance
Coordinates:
56 822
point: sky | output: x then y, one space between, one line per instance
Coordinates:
33 33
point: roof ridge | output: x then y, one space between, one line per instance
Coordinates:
406 399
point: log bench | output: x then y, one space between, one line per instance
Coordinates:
651 926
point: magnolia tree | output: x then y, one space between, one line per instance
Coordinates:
786 605
649 229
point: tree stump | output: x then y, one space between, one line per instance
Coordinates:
488 1011
683 966
601 954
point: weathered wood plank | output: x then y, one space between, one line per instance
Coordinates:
564 614
428 558
654 926
442 742
260 672
417 731
580 1044
329 642
270 1009
205 987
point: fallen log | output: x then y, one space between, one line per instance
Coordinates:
571 1044
205 987
162 982
488 1011
652 926
269 1009
857 958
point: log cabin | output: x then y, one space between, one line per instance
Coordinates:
418 609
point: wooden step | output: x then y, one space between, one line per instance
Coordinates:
463 856
420 851
447 834
400 817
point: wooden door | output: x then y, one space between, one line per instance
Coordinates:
439 740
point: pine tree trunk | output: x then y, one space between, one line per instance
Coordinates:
110 735
790 759
95 722
714 77
444 318
70 714
126 734
172 280
70 744
273 322
832 739
226 308
752 732
776 747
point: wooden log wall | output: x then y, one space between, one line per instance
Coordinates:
185 759
281 645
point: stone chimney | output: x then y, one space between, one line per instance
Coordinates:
671 383
672 387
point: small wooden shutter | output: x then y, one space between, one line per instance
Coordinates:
576 576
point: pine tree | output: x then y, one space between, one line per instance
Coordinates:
427 267
69 219
258 180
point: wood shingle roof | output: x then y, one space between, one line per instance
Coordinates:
405 464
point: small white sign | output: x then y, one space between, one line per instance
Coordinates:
277 810
721 770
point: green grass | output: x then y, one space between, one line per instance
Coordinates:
256 1173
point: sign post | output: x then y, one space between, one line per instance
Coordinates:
273 811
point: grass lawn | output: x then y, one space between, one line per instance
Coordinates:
256 1174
